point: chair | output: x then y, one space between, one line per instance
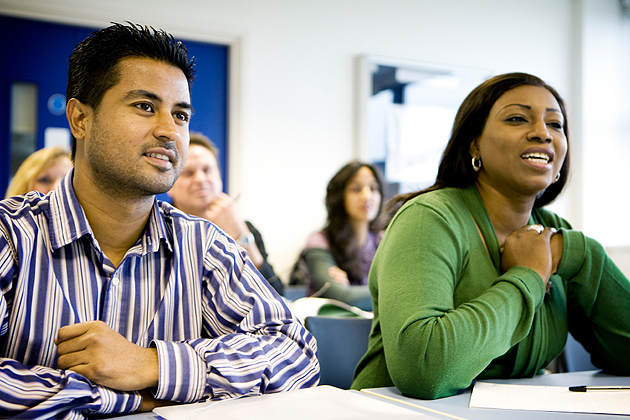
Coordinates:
577 359
341 342
295 292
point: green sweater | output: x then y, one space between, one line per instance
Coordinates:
445 316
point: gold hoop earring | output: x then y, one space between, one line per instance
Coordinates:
556 178
476 163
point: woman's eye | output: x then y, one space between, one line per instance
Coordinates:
44 180
556 125
516 118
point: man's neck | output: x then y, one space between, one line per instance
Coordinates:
116 222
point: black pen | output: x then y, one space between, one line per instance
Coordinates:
584 388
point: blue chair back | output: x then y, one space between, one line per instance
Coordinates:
341 342
576 357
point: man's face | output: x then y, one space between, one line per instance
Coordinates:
135 141
199 182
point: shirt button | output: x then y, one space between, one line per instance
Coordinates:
115 281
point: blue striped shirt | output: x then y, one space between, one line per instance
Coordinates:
185 288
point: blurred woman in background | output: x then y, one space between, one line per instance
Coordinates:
41 171
336 260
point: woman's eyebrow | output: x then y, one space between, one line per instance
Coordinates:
529 108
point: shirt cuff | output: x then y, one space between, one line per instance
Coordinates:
533 289
182 372
573 250
113 401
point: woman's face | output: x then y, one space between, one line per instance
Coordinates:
47 180
362 198
523 144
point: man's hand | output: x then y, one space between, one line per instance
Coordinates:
105 357
223 212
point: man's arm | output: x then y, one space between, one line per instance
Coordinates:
251 343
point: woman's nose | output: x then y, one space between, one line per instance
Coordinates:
540 132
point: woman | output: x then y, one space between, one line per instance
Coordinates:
41 171
474 279
336 260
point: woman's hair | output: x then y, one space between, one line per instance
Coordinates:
339 233
32 166
455 168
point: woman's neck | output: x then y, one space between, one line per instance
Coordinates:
361 230
507 214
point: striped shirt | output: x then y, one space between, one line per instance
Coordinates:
184 288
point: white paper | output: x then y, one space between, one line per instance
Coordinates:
549 398
322 402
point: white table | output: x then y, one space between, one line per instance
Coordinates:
457 405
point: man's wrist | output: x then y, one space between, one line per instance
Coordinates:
245 239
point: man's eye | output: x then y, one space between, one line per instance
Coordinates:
182 116
145 106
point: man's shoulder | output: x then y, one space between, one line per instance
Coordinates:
24 205
172 216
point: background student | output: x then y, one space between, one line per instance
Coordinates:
41 171
199 191
336 260
475 278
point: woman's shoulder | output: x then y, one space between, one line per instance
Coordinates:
445 200
317 240
549 218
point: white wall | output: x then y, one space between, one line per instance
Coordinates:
293 124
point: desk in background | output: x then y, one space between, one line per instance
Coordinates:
457 405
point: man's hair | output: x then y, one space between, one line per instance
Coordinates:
93 68
202 140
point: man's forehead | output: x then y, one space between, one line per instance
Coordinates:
153 79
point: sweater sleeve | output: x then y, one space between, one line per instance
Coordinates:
434 346
318 261
598 300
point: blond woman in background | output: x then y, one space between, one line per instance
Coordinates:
41 171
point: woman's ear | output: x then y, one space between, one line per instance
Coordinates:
77 114
473 149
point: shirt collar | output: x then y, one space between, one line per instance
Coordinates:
68 222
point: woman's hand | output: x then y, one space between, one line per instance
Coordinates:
530 246
338 275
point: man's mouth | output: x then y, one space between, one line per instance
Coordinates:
158 156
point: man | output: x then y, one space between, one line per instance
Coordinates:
199 191
111 302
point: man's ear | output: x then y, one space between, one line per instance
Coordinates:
77 114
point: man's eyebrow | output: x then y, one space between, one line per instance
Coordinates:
141 93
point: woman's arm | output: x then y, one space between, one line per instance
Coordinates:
435 346
598 300
319 261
